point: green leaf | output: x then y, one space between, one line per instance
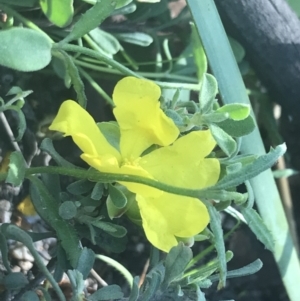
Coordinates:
284 173
47 146
91 19
14 281
249 171
110 292
67 210
111 132
59 12
75 78
199 53
175 263
117 196
208 92
122 3
80 187
30 296
86 262
247 270
77 283
97 191
24 49
16 171
226 142
238 50
236 111
106 41
238 128
46 207
110 228
258 227
216 227
208 269
136 38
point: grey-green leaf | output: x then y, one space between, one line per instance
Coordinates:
86 262
226 142
14 281
16 171
136 38
258 227
249 171
91 19
208 92
175 263
238 128
117 196
216 227
110 292
67 210
30 296
24 49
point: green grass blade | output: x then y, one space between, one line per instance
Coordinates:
232 90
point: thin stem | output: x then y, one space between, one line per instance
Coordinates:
165 75
98 176
97 55
95 85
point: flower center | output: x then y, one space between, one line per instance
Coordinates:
130 162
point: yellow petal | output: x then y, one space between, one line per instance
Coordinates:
26 207
183 164
110 165
171 216
73 120
142 122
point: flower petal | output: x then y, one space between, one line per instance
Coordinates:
110 165
140 118
183 164
73 120
171 216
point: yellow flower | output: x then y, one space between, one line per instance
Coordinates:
179 163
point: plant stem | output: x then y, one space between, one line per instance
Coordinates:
232 90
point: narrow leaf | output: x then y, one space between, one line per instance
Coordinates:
75 78
249 171
91 19
47 208
258 227
216 227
